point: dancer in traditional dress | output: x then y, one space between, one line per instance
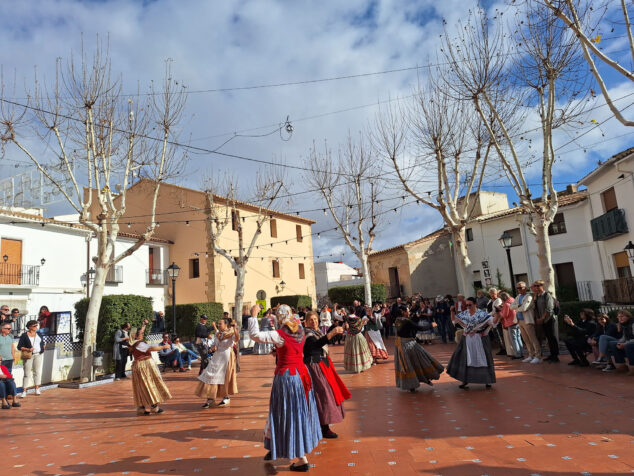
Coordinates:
330 391
267 323
472 361
356 353
292 428
412 363
148 387
218 380
373 335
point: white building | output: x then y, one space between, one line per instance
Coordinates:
611 191
330 275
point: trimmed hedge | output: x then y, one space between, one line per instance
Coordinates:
347 294
188 316
573 309
115 310
296 301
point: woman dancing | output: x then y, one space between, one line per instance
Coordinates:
266 324
356 353
148 387
330 391
218 380
412 363
472 361
292 428
373 334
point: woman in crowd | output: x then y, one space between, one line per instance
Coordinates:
356 353
612 350
44 319
325 320
373 334
604 326
31 347
148 387
7 388
426 323
267 323
338 317
472 361
330 391
510 327
578 344
412 363
187 356
292 428
219 380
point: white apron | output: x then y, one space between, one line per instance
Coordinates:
217 367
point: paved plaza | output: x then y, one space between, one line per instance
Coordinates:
544 419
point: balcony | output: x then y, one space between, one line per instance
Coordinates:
155 277
608 225
115 275
619 291
19 274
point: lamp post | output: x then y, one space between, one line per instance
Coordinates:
629 248
173 270
506 240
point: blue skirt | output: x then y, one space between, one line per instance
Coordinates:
293 428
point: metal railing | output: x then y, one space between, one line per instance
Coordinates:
155 276
619 291
115 275
19 274
612 223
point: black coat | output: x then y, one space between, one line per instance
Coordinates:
26 342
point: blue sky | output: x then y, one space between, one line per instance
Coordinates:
234 44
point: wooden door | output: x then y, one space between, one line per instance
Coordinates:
11 268
395 285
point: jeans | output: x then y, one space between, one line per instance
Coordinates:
188 357
604 340
7 387
8 364
629 353
549 332
171 357
443 328
513 341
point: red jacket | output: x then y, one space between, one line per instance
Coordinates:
5 371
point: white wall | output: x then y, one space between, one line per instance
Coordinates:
328 275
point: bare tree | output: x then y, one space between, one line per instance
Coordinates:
584 18
347 184
547 79
451 151
224 212
99 139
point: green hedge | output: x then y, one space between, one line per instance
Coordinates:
296 301
345 295
188 316
115 310
573 309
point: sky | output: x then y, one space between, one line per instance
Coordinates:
217 48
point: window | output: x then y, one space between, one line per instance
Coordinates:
469 234
235 220
477 285
622 265
516 236
194 268
298 232
273 228
558 225
276 268
609 200
301 271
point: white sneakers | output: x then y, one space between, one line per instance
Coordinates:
527 360
37 391
536 360
22 395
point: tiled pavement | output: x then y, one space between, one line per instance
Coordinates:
538 419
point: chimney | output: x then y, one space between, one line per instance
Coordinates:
572 188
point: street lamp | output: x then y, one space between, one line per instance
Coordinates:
173 270
506 241
630 250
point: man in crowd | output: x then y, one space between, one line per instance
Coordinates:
544 307
171 356
158 323
6 315
201 334
441 316
525 314
120 350
7 348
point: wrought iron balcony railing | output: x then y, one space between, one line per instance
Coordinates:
115 275
155 276
19 274
619 291
608 225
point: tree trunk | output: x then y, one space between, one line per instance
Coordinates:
92 320
462 260
544 255
239 296
367 279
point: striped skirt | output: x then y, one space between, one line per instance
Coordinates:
148 387
356 354
292 429
376 345
413 364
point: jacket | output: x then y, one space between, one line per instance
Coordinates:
508 315
526 307
583 329
628 332
26 342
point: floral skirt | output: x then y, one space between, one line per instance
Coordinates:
148 387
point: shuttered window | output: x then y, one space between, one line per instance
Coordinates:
276 269
609 200
298 232
273 228
301 271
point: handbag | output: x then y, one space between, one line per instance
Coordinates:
26 354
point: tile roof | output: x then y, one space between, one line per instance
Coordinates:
432 236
